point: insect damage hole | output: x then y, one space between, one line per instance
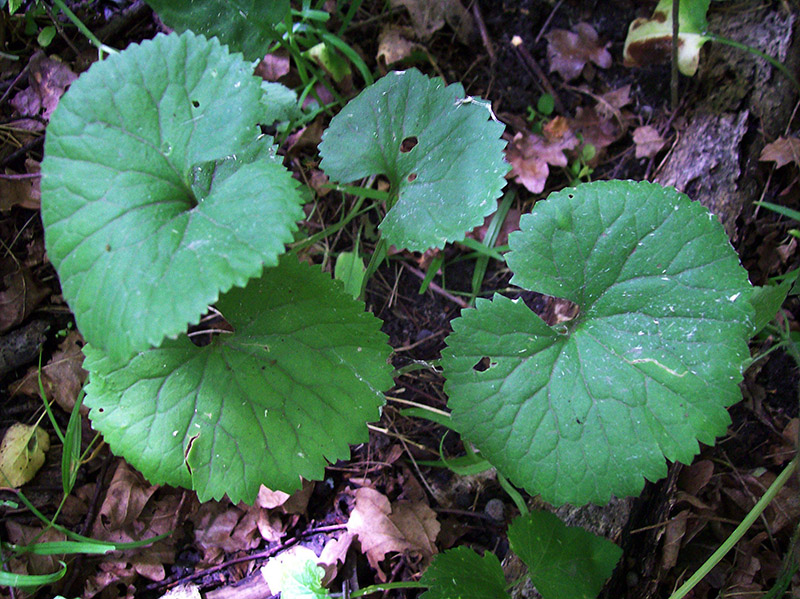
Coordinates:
484 364
408 144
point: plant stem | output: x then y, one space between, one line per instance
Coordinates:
676 6
738 533
387 587
84 30
515 495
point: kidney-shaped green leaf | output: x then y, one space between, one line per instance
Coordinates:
442 155
140 248
289 389
588 408
565 562
462 573
247 26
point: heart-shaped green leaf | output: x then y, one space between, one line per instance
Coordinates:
142 237
588 408
247 26
564 561
462 573
289 389
440 151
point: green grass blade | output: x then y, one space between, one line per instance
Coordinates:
788 212
64 547
29 580
71 454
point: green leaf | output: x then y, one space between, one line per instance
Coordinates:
767 300
350 270
440 152
46 36
565 562
461 573
280 103
247 26
140 245
650 40
589 408
270 403
294 574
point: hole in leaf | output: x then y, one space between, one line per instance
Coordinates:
408 144
553 310
195 103
211 325
484 364
412 177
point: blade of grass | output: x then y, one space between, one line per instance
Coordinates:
345 49
783 210
63 548
71 453
492 232
433 268
46 403
30 580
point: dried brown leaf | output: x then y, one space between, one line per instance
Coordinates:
125 499
530 154
22 293
20 192
428 16
782 151
570 51
273 66
334 553
220 528
62 377
48 80
383 528
596 130
394 45
610 103
648 141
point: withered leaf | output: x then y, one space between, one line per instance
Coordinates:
21 294
782 151
648 141
382 527
530 154
428 16
570 51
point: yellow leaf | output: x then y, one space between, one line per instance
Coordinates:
22 454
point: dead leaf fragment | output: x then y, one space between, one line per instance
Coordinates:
22 453
22 293
428 16
394 45
382 527
63 375
48 80
782 151
648 141
610 103
530 154
570 51
24 193
273 66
